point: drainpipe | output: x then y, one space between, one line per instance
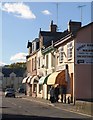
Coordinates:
74 78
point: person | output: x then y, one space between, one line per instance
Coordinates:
52 97
57 93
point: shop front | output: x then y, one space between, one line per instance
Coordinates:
58 79
34 85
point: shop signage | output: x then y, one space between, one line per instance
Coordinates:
84 53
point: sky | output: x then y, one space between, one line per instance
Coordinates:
21 21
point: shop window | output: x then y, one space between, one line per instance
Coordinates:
35 88
40 88
69 50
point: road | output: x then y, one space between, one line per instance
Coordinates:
18 108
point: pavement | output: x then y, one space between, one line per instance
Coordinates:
81 107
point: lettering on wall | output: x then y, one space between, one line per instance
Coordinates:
84 53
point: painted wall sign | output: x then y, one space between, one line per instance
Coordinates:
84 53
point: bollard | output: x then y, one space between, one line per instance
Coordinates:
68 100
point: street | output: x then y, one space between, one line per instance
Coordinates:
18 108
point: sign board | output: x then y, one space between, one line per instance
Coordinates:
84 53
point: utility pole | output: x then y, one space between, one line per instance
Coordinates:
57 9
81 7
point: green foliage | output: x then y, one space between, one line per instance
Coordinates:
17 65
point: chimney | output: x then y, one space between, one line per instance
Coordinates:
53 27
73 26
29 46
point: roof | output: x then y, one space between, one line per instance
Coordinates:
7 71
86 26
73 34
49 33
52 36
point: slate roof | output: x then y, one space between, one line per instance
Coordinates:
7 71
52 36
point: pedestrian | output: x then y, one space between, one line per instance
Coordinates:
52 96
57 93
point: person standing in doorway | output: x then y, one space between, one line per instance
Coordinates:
52 94
57 93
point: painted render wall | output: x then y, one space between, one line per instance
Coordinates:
61 66
83 71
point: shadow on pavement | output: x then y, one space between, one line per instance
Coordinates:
27 117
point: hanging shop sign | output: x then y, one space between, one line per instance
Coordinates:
84 53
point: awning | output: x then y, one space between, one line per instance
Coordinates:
52 78
41 80
46 78
29 79
34 79
57 78
61 78
25 80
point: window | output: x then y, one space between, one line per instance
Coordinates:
69 50
34 63
38 62
52 60
61 54
46 61
33 46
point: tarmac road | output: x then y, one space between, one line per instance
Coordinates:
18 108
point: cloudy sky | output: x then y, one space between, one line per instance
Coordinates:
22 21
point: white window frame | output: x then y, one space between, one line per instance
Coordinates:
61 54
69 50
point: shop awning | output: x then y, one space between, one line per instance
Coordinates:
25 80
52 78
41 80
57 78
34 79
29 79
46 78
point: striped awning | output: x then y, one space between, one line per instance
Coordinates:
34 79
25 80
41 80
29 79
57 78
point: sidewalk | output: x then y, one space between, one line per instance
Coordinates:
85 108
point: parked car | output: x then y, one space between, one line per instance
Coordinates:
10 92
21 90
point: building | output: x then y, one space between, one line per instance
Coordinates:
64 59
11 77
76 52
31 83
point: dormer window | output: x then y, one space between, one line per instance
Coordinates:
33 46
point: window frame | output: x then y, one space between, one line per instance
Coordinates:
61 54
69 50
